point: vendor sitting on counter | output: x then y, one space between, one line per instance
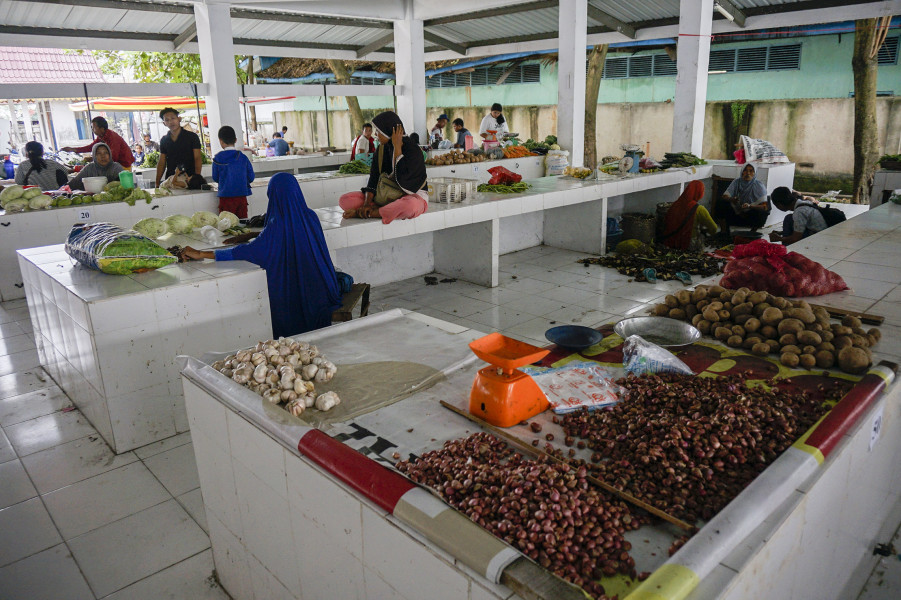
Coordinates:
303 287
178 148
804 218
744 203
102 166
494 121
119 147
36 170
397 178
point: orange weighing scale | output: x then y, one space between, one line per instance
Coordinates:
501 394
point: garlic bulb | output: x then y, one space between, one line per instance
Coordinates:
218 365
273 396
295 407
327 401
309 399
259 374
309 372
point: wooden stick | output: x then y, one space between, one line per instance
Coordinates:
838 313
538 452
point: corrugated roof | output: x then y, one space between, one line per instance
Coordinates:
40 65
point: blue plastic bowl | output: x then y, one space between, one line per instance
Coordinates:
574 337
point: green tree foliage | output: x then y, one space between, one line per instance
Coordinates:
156 67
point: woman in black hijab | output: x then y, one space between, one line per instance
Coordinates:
399 159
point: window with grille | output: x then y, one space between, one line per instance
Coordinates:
486 76
759 58
888 52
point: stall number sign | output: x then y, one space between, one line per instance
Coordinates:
876 428
84 214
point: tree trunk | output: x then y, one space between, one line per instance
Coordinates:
864 62
356 115
251 108
592 88
533 123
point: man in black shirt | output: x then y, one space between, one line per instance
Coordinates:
179 148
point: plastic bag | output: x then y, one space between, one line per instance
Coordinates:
503 176
116 251
576 385
555 162
641 356
765 267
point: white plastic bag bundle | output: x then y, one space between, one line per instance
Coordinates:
556 162
641 356
211 234
576 385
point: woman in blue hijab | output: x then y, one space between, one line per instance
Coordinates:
744 203
303 288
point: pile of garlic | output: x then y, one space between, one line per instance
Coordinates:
283 370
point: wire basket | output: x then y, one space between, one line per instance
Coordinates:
451 189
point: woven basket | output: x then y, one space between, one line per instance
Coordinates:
638 226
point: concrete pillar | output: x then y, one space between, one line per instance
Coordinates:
409 60
695 21
217 60
572 41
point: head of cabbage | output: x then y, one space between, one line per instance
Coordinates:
39 201
180 224
152 228
202 218
227 220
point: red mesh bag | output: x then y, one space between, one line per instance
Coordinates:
503 176
765 267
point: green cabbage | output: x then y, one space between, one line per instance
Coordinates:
16 205
64 201
39 201
31 192
231 220
202 218
10 192
152 228
180 224
112 185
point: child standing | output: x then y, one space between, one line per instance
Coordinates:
233 172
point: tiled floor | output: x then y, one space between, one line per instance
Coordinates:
77 521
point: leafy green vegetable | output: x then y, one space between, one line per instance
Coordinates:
230 218
151 227
354 166
515 188
202 218
151 159
16 205
10 192
39 201
180 224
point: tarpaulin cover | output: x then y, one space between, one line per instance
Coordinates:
113 250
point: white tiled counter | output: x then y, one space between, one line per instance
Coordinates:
273 507
295 163
884 183
110 341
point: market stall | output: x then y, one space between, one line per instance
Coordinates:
110 341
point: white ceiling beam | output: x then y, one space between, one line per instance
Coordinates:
367 9
98 90
605 18
186 36
76 41
868 10
271 90
734 13
158 7
486 13
375 45
300 52
444 42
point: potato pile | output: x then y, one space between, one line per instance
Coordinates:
455 157
803 336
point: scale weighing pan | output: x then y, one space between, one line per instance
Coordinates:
502 395
662 331
573 337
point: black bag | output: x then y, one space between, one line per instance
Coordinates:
832 216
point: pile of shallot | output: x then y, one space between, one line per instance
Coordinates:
283 371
